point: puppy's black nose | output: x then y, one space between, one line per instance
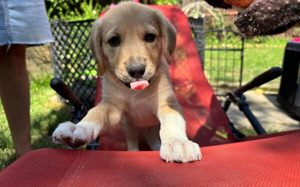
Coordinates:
136 70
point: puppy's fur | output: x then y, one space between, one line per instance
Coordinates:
131 33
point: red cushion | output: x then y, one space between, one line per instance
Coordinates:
266 162
296 39
207 123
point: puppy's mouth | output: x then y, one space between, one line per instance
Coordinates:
138 84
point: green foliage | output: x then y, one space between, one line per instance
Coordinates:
73 10
222 39
77 10
167 2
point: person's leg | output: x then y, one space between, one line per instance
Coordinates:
14 93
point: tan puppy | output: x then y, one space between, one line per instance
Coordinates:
133 43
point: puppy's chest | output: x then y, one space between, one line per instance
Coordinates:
142 113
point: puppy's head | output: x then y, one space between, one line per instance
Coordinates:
130 40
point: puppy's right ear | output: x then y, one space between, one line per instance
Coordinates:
168 33
95 43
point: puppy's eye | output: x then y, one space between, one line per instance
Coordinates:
149 37
114 41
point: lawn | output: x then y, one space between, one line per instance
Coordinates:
47 111
262 54
222 67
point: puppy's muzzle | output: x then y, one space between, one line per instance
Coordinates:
136 70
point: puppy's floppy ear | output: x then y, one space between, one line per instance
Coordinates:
95 43
168 33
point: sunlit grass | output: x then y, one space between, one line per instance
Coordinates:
222 67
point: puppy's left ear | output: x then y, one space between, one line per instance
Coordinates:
168 33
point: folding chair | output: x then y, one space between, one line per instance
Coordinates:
289 90
269 161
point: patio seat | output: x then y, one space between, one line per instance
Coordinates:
264 162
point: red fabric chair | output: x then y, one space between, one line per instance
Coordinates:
272 161
265 162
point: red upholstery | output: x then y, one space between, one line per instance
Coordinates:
266 162
207 123
296 39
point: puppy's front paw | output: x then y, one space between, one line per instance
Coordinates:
72 134
180 151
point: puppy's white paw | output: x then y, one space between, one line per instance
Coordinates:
74 135
180 151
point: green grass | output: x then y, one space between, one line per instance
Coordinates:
260 54
46 113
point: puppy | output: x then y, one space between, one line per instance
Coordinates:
132 43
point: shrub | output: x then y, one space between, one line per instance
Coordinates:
73 10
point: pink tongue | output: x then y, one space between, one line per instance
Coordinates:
139 85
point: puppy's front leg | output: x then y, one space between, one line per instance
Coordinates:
175 146
103 114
